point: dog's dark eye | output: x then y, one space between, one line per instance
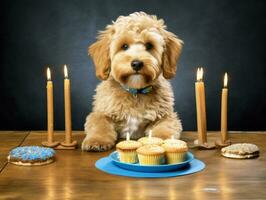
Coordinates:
149 46
124 47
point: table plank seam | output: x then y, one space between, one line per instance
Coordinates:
5 164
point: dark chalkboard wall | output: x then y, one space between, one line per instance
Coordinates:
219 35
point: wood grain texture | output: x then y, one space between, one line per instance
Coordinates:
9 140
74 176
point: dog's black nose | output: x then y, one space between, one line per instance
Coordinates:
136 65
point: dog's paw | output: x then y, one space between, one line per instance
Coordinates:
92 144
165 133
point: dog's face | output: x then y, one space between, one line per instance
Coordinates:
135 50
136 57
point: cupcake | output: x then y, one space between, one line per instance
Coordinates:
127 151
151 154
150 140
175 150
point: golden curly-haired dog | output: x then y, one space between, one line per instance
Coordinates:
134 57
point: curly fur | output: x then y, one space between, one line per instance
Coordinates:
116 111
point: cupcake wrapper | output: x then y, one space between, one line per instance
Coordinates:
128 156
173 158
151 159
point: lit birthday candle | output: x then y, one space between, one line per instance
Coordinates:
150 135
128 136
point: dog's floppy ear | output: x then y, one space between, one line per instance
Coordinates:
171 54
99 51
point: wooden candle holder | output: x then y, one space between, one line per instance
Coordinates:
67 146
61 145
203 146
221 144
50 144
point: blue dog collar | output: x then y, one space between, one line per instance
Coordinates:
135 91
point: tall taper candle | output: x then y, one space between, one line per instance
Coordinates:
224 136
68 122
201 107
50 107
50 113
203 104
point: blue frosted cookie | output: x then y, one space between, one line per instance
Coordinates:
31 155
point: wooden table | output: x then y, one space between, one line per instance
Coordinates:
74 176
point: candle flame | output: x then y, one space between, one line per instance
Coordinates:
199 74
225 80
48 72
172 137
128 136
150 134
65 71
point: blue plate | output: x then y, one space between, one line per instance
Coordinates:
107 165
150 168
